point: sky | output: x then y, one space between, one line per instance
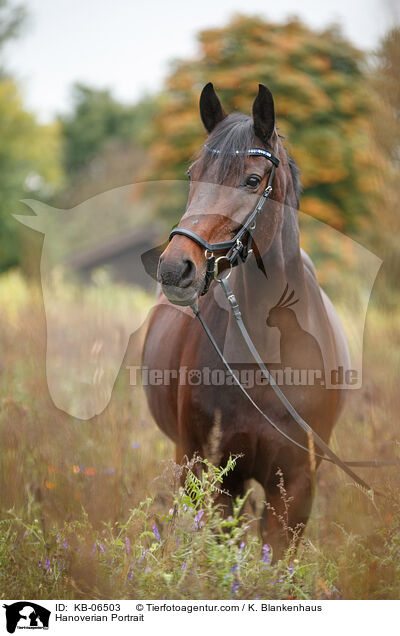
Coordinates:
127 45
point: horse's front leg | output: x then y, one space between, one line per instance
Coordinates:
179 454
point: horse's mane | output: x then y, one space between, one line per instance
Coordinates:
295 172
233 133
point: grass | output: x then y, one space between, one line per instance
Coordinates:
96 509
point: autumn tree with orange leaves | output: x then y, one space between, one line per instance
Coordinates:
323 103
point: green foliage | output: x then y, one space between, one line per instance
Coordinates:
29 152
191 552
322 104
12 19
29 165
98 119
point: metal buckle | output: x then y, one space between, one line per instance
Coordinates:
221 258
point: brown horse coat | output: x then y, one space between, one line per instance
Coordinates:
308 334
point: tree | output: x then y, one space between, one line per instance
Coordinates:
98 121
11 21
383 234
322 99
29 152
385 78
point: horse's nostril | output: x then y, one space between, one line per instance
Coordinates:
179 273
188 272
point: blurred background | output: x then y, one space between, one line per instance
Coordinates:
99 95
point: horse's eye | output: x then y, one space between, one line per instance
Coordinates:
187 173
252 181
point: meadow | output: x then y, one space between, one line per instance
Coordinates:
96 509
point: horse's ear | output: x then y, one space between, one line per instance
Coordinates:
211 110
264 114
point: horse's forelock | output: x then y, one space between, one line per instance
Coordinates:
234 133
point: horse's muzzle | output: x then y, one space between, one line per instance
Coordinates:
178 280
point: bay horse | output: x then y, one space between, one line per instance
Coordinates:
276 282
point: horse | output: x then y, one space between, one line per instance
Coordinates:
227 176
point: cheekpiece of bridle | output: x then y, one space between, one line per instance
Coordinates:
238 248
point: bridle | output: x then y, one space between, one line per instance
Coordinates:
237 250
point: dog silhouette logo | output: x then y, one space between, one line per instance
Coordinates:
26 615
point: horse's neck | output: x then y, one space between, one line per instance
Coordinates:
257 294
283 265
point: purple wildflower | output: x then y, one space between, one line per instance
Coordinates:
130 574
184 567
235 586
65 545
266 555
25 533
197 520
156 533
335 589
291 568
128 545
241 546
101 546
135 445
47 564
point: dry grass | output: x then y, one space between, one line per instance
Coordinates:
55 470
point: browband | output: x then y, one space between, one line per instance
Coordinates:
251 151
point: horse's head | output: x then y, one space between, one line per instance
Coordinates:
226 183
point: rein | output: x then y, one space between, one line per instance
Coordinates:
237 249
